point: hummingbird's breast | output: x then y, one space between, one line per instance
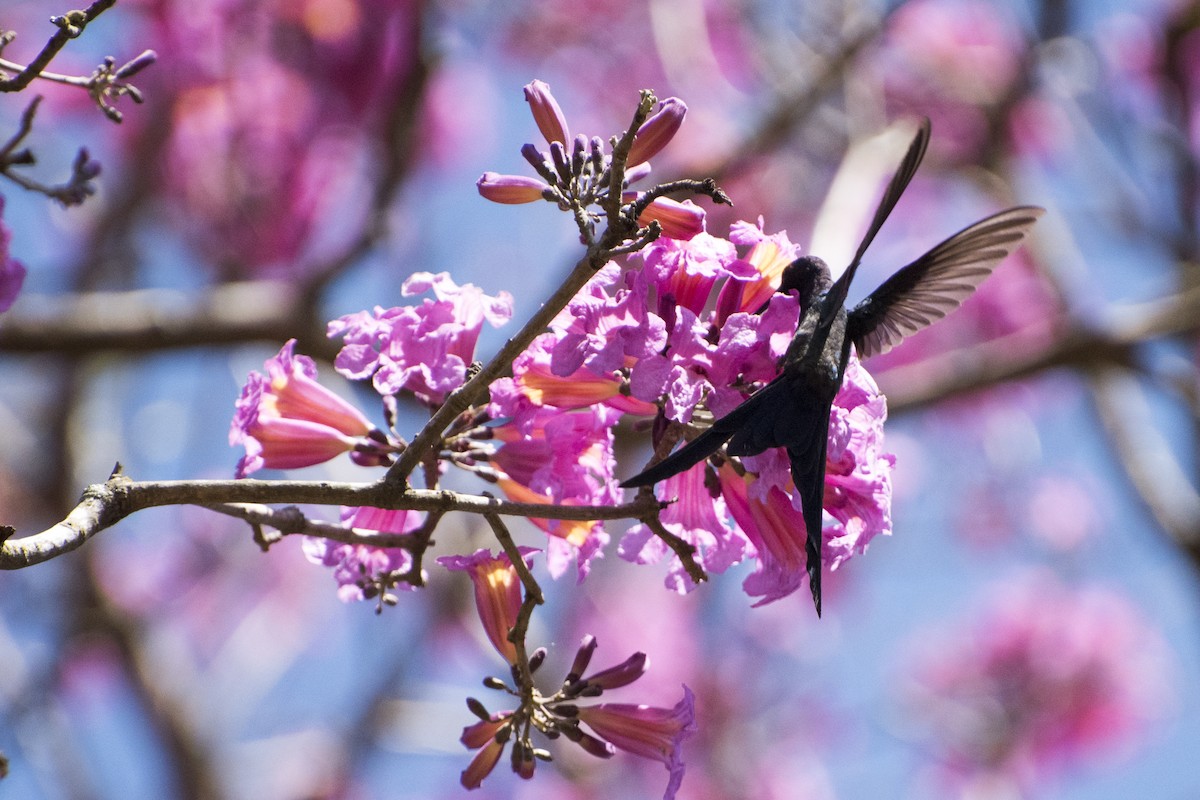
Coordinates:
815 359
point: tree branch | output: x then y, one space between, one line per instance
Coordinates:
104 504
70 26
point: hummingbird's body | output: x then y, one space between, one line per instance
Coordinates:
793 410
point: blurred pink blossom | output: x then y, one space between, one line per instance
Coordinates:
12 272
1045 676
949 60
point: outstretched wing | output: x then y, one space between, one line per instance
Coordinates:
706 443
900 181
936 283
891 195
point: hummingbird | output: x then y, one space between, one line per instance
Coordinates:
792 411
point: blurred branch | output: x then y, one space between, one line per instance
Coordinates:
1146 458
1006 359
105 504
158 319
83 169
193 763
794 104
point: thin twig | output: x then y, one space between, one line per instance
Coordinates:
70 25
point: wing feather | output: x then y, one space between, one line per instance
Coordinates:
938 282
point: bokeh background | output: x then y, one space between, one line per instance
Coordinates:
1029 631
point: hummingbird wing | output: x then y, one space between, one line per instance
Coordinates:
836 296
786 415
899 182
706 443
936 283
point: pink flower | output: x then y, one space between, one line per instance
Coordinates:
679 220
858 473
602 328
686 272
424 349
497 594
563 458
769 254
655 733
696 517
287 420
777 531
358 568
482 735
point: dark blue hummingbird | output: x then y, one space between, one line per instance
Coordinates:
792 410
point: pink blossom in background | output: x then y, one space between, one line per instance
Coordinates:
262 158
12 272
1044 677
948 60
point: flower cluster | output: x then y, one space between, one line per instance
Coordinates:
679 335
362 571
686 335
655 733
646 731
577 173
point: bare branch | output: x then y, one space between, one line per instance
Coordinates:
158 319
83 169
102 505
70 26
1153 471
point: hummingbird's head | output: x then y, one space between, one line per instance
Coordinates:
808 276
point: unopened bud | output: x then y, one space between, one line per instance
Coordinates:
510 189
546 113
657 131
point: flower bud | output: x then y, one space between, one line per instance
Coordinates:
657 131
546 113
510 189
